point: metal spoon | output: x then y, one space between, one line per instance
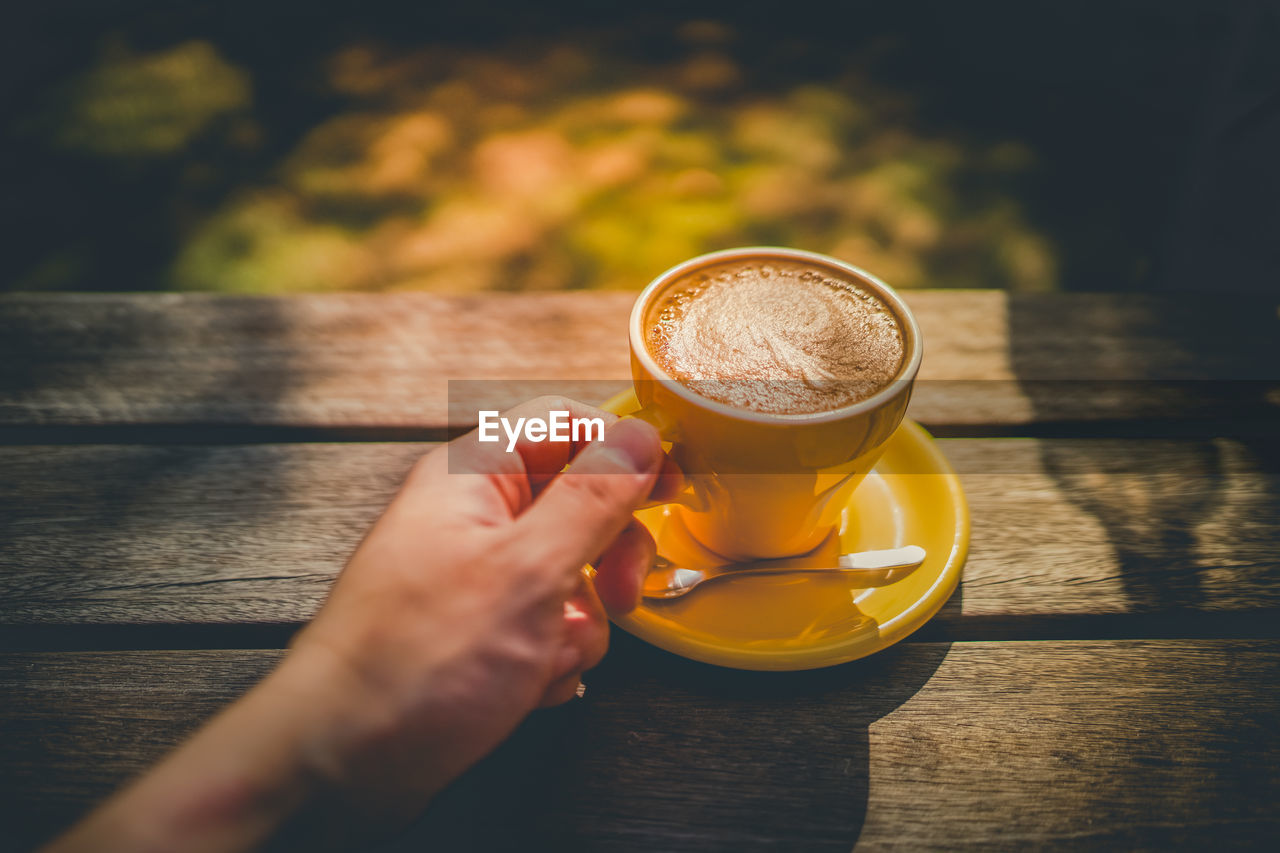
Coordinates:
874 568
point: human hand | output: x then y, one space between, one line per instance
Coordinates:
465 607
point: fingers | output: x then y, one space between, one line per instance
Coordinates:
541 459
515 470
586 629
616 588
585 641
583 510
622 567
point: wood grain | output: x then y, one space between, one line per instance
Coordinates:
970 745
1120 743
73 726
384 361
135 535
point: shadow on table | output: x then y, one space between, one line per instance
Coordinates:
1136 417
663 753
146 518
1221 330
150 483
1218 259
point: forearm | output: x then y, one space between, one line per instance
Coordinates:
463 609
234 785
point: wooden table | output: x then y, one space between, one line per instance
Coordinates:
182 476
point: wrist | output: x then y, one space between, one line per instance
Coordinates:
331 704
358 749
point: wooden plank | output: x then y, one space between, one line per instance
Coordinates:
1121 744
383 361
139 535
1074 527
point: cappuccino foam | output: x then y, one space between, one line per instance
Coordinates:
778 337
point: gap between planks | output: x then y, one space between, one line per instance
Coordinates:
1260 426
981 745
1070 538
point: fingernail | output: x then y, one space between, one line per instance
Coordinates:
635 443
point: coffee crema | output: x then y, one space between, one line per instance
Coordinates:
776 336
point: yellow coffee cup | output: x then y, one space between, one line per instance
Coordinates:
765 485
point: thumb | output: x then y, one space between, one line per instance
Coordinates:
584 509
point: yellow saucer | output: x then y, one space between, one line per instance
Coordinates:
788 622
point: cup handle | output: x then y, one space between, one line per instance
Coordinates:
694 496
659 420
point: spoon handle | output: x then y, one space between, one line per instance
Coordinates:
873 568
861 561
889 558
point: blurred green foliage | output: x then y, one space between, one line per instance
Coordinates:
550 163
138 105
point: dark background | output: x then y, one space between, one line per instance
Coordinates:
1153 128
